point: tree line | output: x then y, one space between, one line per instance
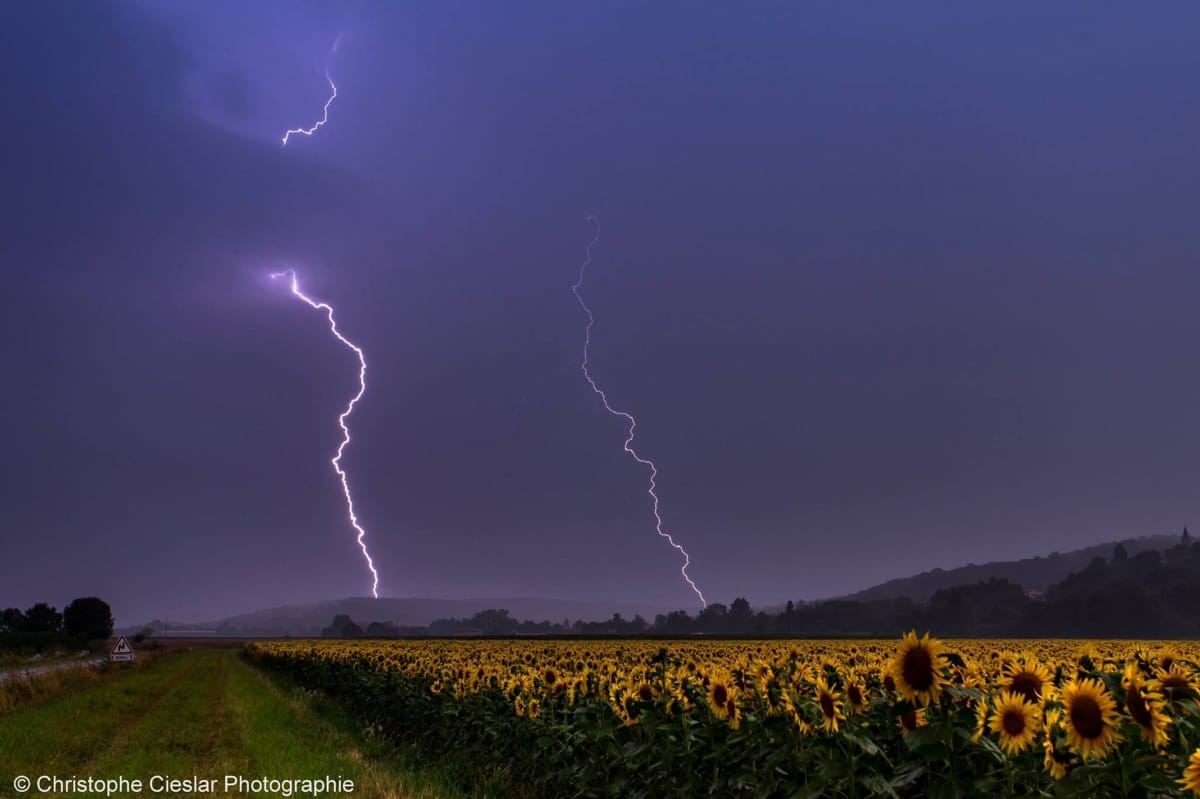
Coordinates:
1154 594
87 617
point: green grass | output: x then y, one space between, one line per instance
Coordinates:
206 713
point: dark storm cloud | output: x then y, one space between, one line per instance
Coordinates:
884 291
133 343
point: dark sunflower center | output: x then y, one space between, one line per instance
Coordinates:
889 683
1027 685
720 695
909 720
1174 682
646 693
1086 717
1136 704
917 669
826 705
1013 722
854 695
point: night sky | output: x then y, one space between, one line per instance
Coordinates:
887 288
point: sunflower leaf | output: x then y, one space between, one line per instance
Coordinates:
879 786
992 748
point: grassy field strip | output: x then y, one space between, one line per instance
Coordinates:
206 713
302 737
189 731
65 732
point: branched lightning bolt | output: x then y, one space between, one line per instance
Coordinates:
362 388
658 522
333 93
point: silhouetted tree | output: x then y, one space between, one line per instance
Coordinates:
342 626
740 615
713 618
12 620
677 622
89 617
43 618
381 629
494 622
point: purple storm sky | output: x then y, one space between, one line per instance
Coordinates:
886 289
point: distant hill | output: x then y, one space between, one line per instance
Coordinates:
1036 574
308 620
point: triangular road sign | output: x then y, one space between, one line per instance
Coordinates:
121 650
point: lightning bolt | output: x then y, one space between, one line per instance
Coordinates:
362 389
333 93
658 522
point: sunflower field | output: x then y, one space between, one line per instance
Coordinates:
777 718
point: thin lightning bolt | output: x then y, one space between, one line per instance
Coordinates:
333 93
362 388
658 522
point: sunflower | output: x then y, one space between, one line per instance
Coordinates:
831 710
630 709
1091 717
1167 657
911 719
856 693
644 692
1029 678
1191 774
779 701
1174 679
915 668
1144 706
763 674
720 695
1055 762
733 713
981 715
1014 720
973 677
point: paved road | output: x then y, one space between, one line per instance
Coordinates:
32 670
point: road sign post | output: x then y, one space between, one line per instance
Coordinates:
121 651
